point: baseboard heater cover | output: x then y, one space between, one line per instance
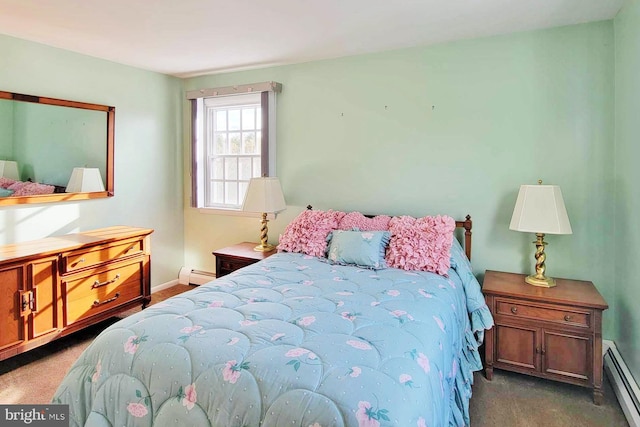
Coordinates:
189 276
623 384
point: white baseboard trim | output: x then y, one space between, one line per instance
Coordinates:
189 276
623 384
186 276
163 286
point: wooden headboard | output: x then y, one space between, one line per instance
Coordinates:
466 224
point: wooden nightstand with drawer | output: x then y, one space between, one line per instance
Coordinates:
231 258
553 333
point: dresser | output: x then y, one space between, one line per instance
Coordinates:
233 257
57 285
553 333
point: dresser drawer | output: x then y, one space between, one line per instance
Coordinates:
87 258
547 313
107 288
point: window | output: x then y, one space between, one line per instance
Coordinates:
233 140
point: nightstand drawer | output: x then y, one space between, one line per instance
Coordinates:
554 314
233 265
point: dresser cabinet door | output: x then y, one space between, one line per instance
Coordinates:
12 315
45 316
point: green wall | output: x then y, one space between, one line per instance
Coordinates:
627 178
148 149
450 129
6 129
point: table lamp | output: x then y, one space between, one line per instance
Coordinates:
264 196
9 169
85 180
540 209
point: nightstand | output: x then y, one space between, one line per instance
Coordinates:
553 333
231 258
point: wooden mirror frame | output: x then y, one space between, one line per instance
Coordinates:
63 197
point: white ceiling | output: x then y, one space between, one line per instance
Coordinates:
191 37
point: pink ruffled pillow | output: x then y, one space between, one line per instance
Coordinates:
357 220
6 182
33 189
17 186
308 232
422 244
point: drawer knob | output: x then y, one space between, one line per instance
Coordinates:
567 318
514 310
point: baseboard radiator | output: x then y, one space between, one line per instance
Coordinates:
623 384
189 276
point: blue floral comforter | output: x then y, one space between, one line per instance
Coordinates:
290 341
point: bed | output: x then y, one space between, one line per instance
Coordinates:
293 340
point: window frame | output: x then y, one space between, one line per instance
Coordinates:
199 167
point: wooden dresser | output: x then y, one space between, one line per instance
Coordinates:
553 333
54 286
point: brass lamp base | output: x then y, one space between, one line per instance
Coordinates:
539 279
266 248
543 282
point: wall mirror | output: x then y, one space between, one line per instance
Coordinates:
44 141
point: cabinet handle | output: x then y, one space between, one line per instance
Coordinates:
97 283
542 351
567 318
81 260
537 350
97 302
514 310
26 300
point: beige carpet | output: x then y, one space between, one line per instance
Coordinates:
511 400
516 400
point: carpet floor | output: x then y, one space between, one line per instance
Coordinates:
510 399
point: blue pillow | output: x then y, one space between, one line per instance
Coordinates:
5 192
364 249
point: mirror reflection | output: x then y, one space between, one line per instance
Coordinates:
44 141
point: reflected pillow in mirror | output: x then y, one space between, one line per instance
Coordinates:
6 182
32 189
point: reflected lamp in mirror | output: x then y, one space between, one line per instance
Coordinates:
540 209
264 196
9 169
85 180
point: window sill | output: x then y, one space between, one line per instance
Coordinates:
234 212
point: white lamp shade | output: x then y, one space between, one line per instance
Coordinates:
540 209
9 169
264 195
85 180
